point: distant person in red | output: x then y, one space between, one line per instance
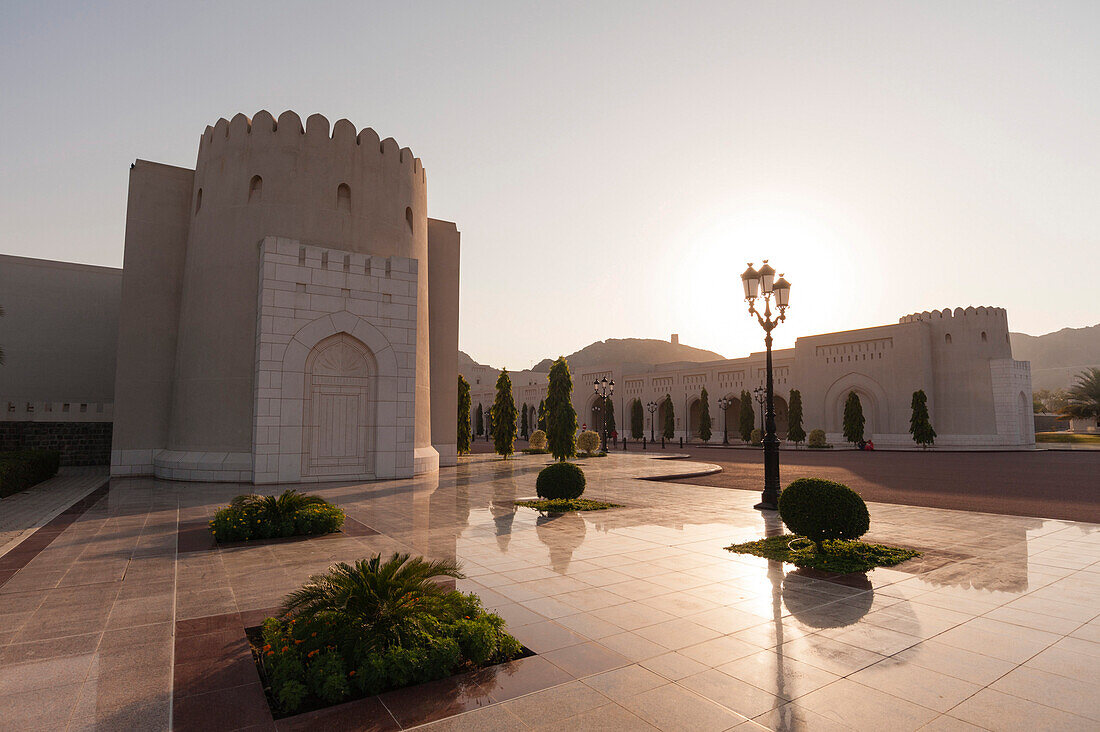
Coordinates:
870 445
614 435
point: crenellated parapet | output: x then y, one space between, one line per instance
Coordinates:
971 313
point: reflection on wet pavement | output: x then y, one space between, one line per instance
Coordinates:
639 616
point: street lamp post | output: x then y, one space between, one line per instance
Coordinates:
604 389
761 399
652 407
762 283
724 404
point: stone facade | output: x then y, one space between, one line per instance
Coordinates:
979 397
80 443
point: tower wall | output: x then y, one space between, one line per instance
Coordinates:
254 178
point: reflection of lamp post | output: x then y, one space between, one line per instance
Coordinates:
604 389
761 398
723 404
652 407
763 283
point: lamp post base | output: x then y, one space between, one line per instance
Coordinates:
764 506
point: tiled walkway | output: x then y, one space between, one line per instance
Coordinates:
22 513
639 617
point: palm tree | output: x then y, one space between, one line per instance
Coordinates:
1083 398
277 507
385 602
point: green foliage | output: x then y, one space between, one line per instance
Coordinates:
756 437
853 419
541 419
538 440
479 421
21 469
746 420
561 418
524 425
365 628
1083 398
1050 401
563 505
1068 437
609 411
795 431
560 480
588 442
839 556
919 425
822 510
463 415
669 427
637 420
817 439
705 421
504 416
292 513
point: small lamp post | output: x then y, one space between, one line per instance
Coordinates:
761 395
724 404
762 283
604 389
652 407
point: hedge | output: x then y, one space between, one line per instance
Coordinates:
22 469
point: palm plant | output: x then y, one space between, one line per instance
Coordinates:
384 603
1083 398
277 507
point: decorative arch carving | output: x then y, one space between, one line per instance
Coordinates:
871 395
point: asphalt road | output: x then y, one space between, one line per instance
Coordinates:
1059 484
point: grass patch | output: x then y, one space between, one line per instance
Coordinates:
839 556
586 455
1070 437
535 451
561 505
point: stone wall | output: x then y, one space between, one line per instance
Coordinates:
80 443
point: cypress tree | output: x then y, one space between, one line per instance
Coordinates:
561 418
705 422
747 418
670 418
637 420
524 425
479 421
919 424
609 405
540 423
504 417
795 431
463 415
853 419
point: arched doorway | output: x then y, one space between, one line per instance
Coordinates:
662 409
782 417
870 408
695 416
1026 418
338 419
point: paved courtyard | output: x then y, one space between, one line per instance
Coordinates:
120 614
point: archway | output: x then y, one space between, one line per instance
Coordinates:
782 418
338 418
872 398
662 409
695 416
1026 418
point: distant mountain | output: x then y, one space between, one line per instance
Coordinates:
645 351
1057 357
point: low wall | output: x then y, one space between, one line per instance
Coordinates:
80 443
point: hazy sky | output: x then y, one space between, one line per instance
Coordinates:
613 166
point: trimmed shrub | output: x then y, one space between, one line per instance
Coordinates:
822 510
756 437
817 439
21 469
538 440
560 480
251 517
588 442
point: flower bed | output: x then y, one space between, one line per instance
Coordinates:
363 629
252 517
561 505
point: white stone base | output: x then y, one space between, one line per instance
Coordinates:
425 460
132 462
448 455
203 467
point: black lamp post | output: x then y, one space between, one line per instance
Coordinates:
761 398
762 283
652 407
724 404
604 389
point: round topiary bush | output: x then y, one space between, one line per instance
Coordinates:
538 440
822 510
560 480
588 441
757 437
816 439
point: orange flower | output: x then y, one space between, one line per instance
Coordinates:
271 653
297 642
285 649
267 646
311 654
351 673
313 634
